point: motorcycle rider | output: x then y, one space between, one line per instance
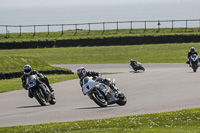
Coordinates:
81 72
133 63
28 71
191 52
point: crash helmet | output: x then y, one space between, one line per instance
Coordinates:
27 69
81 72
192 49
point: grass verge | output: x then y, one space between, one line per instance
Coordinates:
177 121
154 53
16 83
16 64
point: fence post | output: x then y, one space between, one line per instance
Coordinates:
62 29
117 28
145 26
48 29
103 28
75 29
20 30
185 25
158 26
6 31
131 27
199 25
34 31
172 25
88 29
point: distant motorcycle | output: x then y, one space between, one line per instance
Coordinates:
101 93
194 62
40 90
136 65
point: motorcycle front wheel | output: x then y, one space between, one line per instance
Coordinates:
194 67
98 98
53 100
122 100
40 97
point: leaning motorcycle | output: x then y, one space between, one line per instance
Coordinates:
194 62
40 90
137 66
101 93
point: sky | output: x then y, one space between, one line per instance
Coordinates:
13 4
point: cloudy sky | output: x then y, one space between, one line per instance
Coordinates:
5 4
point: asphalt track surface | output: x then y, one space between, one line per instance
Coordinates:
161 88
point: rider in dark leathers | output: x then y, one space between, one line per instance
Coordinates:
191 52
28 71
133 63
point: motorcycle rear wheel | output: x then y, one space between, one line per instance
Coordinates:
98 99
40 97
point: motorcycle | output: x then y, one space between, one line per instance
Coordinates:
194 62
40 90
137 66
101 93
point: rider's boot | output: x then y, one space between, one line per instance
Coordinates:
51 89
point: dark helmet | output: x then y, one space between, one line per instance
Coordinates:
27 69
81 72
192 49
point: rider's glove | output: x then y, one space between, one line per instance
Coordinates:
98 79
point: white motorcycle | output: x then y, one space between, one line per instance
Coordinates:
101 93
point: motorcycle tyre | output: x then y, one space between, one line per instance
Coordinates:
39 98
53 100
98 102
143 69
194 67
122 101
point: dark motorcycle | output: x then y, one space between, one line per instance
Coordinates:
40 90
194 62
136 66
101 93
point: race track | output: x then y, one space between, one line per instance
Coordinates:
162 87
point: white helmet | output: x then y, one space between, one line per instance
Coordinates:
27 69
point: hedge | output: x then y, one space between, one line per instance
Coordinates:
19 74
109 41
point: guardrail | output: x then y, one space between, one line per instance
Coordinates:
131 25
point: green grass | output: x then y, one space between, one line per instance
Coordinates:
16 64
177 122
16 83
70 34
154 53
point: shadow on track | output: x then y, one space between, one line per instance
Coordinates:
30 106
99 107
136 71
